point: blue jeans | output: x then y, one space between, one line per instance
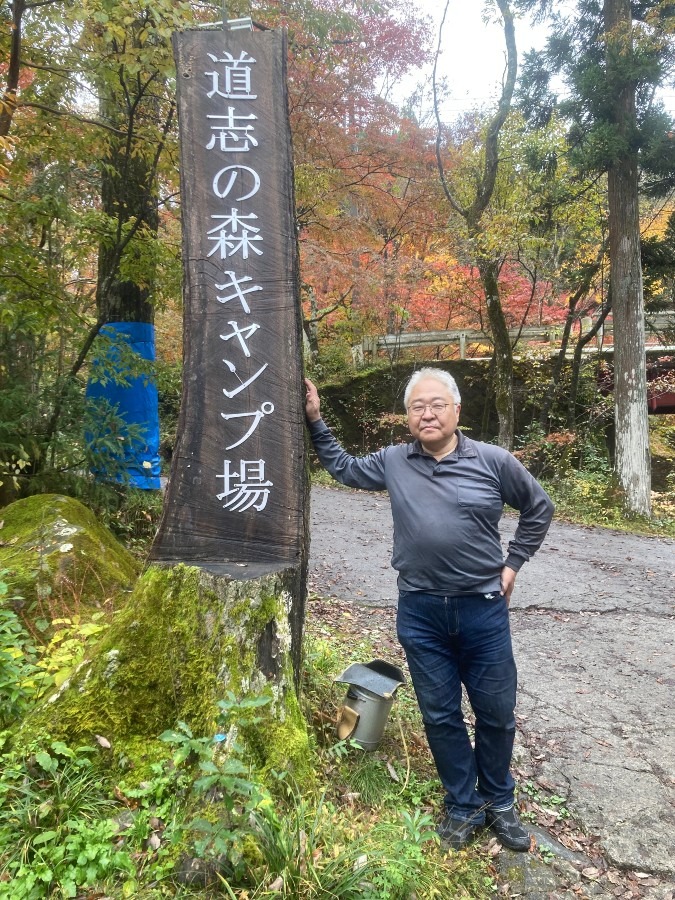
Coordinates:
455 640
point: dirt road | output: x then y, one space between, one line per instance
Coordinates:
593 621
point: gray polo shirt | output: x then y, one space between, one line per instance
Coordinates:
446 514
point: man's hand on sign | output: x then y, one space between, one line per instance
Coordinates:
312 402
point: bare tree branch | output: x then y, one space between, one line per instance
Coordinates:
71 115
326 311
487 183
439 127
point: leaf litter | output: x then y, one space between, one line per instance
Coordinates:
375 626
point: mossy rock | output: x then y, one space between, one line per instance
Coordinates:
181 643
55 551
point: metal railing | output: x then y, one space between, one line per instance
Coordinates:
656 326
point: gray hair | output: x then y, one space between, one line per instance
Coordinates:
440 375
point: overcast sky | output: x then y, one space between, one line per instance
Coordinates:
473 54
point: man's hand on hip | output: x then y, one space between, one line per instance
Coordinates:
508 580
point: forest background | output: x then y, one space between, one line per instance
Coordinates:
89 211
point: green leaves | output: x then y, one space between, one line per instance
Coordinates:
48 763
54 824
66 650
17 660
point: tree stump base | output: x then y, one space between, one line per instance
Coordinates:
187 638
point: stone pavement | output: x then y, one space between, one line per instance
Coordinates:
593 622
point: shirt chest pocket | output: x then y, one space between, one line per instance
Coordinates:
478 494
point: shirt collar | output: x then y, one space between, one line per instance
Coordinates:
463 449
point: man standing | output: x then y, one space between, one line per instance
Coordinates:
447 495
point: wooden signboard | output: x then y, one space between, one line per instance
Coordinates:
236 493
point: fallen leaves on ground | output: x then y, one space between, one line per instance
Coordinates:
375 625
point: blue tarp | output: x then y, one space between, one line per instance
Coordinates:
135 402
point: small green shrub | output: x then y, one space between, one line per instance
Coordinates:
548 455
133 517
18 655
307 854
56 827
227 794
334 360
406 869
369 779
66 649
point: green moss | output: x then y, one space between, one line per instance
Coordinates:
515 875
183 641
281 742
151 667
135 756
288 747
57 552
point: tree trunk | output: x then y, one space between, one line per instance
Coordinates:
557 370
576 364
8 100
552 392
125 301
503 355
473 216
630 376
237 500
184 639
128 194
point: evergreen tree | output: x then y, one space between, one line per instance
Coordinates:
612 55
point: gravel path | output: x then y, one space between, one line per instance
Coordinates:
593 620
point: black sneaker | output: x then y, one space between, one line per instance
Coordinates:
507 826
456 833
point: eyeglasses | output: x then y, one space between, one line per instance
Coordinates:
437 408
